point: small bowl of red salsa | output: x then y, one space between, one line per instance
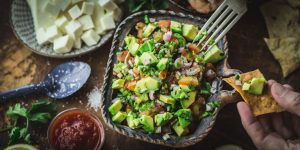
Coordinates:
76 129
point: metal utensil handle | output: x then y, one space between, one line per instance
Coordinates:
22 91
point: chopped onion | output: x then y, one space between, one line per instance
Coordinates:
167 36
213 88
238 82
208 108
188 64
158 130
193 71
144 39
166 136
130 72
152 19
146 62
181 49
151 95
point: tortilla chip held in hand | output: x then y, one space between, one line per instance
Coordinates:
260 100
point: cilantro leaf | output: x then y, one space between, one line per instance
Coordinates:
40 117
43 106
17 111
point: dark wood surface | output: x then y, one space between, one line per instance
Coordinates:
247 52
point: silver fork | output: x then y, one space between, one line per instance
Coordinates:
224 18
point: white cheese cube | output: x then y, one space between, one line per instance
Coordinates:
110 6
78 43
63 44
90 37
86 22
87 8
99 29
76 1
61 22
52 9
102 3
64 4
41 36
107 21
75 12
74 29
52 33
117 14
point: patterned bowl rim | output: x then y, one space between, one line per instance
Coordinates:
105 86
108 35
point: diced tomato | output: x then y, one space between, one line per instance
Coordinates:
194 48
163 74
135 71
247 78
164 23
130 85
122 56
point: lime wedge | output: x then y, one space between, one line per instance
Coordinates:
21 147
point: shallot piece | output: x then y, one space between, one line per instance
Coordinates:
193 71
181 49
167 36
131 72
151 95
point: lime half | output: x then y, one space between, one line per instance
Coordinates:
21 147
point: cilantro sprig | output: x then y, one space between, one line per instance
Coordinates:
40 112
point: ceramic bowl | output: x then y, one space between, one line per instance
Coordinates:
206 124
23 27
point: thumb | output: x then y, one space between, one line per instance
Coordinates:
286 98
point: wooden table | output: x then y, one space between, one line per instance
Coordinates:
247 52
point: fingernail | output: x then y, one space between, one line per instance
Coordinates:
279 89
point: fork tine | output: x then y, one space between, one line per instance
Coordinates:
220 18
225 22
213 17
230 25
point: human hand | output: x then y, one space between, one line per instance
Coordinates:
277 131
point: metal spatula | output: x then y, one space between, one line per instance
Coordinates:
221 21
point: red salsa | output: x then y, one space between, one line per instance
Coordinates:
75 130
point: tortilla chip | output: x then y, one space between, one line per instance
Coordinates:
281 19
259 105
287 52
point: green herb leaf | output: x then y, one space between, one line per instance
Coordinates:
40 117
17 111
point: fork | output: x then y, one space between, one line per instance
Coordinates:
224 18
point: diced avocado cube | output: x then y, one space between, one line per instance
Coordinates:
129 39
148 58
147 46
180 131
185 88
257 86
137 61
132 120
161 119
162 64
176 27
140 86
147 123
119 83
189 31
181 39
115 107
146 85
149 29
213 55
133 48
119 117
167 99
158 36
189 80
246 86
184 116
187 103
